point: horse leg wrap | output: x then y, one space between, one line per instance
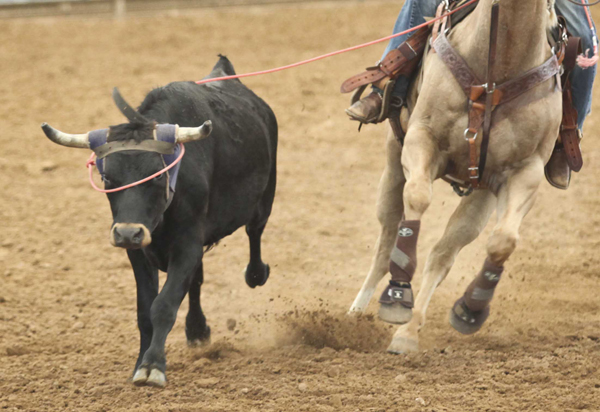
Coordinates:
480 292
403 260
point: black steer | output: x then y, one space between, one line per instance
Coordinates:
225 181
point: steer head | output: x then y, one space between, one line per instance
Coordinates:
130 152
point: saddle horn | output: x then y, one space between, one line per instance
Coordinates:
129 112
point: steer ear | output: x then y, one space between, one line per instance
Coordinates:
81 141
189 134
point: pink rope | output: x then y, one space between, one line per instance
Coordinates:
583 60
335 53
91 163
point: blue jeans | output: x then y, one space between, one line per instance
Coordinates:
414 11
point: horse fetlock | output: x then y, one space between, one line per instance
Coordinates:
480 291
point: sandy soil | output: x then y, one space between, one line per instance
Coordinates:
68 335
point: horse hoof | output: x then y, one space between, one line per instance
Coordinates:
395 313
257 278
140 377
157 379
466 321
403 345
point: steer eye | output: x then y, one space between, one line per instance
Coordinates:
105 179
159 177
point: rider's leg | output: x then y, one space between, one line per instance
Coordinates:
412 14
582 80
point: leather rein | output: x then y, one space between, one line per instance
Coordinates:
483 98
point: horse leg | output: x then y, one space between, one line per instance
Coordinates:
465 224
421 162
515 199
389 213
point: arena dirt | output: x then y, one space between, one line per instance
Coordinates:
68 335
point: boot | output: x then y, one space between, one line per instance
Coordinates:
557 170
367 109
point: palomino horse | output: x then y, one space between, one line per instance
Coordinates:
524 131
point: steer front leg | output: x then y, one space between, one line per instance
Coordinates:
183 264
146 280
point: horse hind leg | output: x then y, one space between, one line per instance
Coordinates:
390 209
515 199
464 226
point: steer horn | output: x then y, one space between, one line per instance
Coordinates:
189 134
129 112
81 141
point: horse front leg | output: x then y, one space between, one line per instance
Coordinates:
422 163
464 226
390 209
515 199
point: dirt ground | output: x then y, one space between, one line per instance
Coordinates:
68 333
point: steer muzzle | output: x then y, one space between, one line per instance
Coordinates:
130 235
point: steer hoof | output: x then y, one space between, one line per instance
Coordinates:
465 320
257 277
197 341
395 313
154 378
157 379
140 377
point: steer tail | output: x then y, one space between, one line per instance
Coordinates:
222 68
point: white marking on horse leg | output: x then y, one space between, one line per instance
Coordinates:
379 268
389 212
140 377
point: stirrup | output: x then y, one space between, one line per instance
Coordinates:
387 100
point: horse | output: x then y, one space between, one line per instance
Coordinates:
523 133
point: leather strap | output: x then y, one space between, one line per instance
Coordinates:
400 61
397 294
483 98
157 146
569 128
490 89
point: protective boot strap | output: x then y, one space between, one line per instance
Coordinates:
403 259
480 292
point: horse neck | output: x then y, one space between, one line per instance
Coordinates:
522 37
